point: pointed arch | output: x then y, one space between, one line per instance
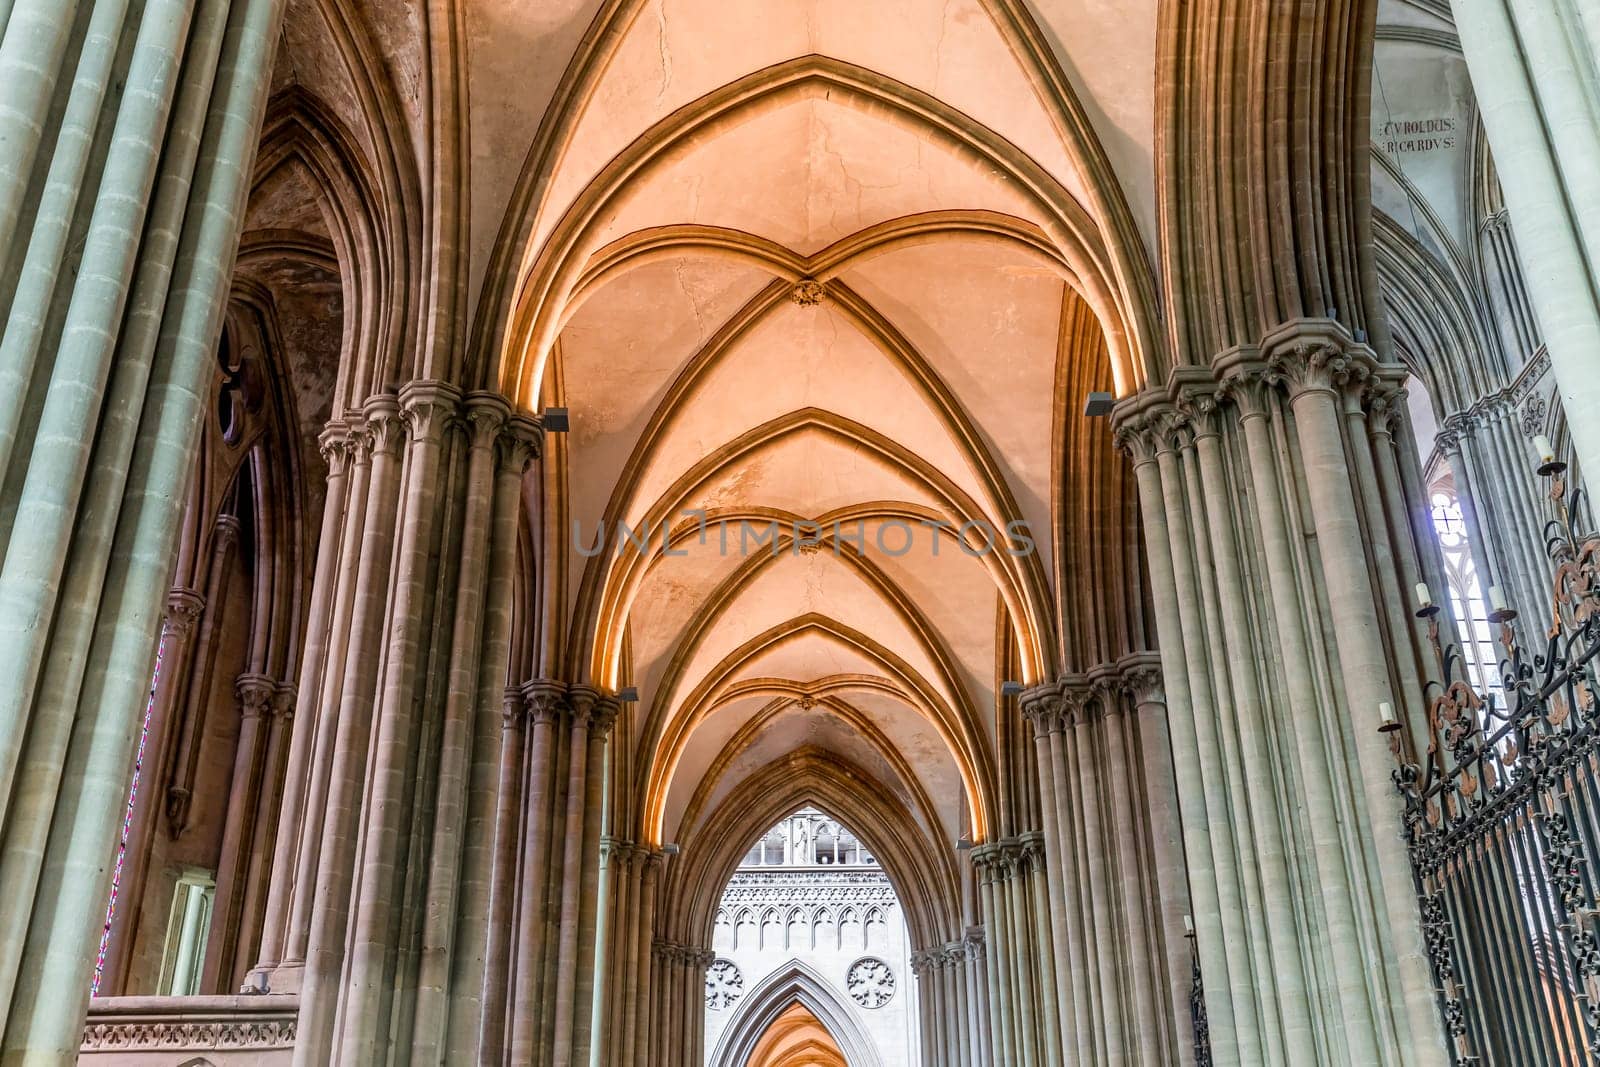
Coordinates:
531 323
796 983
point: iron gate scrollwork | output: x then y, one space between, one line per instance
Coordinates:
1502 816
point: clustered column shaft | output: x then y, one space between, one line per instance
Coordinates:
1110 885
387 826
129 135
552 854
1279 539
950 980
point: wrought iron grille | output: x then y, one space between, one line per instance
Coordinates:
1503 818
1197 1014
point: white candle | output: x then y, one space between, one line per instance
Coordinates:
1547 451
1424 598
1497 598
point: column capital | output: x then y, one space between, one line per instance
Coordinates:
1199 409
545 700
1140 677
594 709
284 700
1385 403
427 407
486 413
225 534
1247 385
511 709
183 611
383 424
255 693
975 941
1042 706
334 444
1030 851
520 440
1105 685
1317 356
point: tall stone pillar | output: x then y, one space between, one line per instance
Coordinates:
1272 568
402 773
1532 67
1106 919
121 198
305 779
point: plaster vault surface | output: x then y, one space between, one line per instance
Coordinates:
815 283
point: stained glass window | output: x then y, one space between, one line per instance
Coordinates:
127 821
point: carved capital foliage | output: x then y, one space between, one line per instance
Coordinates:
486 414
1142 683
1385 402
1106 688
545 700
255 693
284 699
334 444
183 612
1249 391
974 943
1198 410
1172 427
1317 365
1133 439
602 717
384 425
428 407
519 443
1030 852
511 704
1076 699
1042 706
358 444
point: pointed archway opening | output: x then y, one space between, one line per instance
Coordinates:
797 1038
809 927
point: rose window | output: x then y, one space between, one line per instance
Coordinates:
724 984
870 981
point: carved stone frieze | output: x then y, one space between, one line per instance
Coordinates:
189 1035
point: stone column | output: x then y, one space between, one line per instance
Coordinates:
1532 69
191 722
288 973
255 693
303 775
1141 682
120 356
340 835
391 787
1296 584
1042 707
408 838
547 709
1314 372
503 889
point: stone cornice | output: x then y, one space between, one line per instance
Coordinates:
183 1024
